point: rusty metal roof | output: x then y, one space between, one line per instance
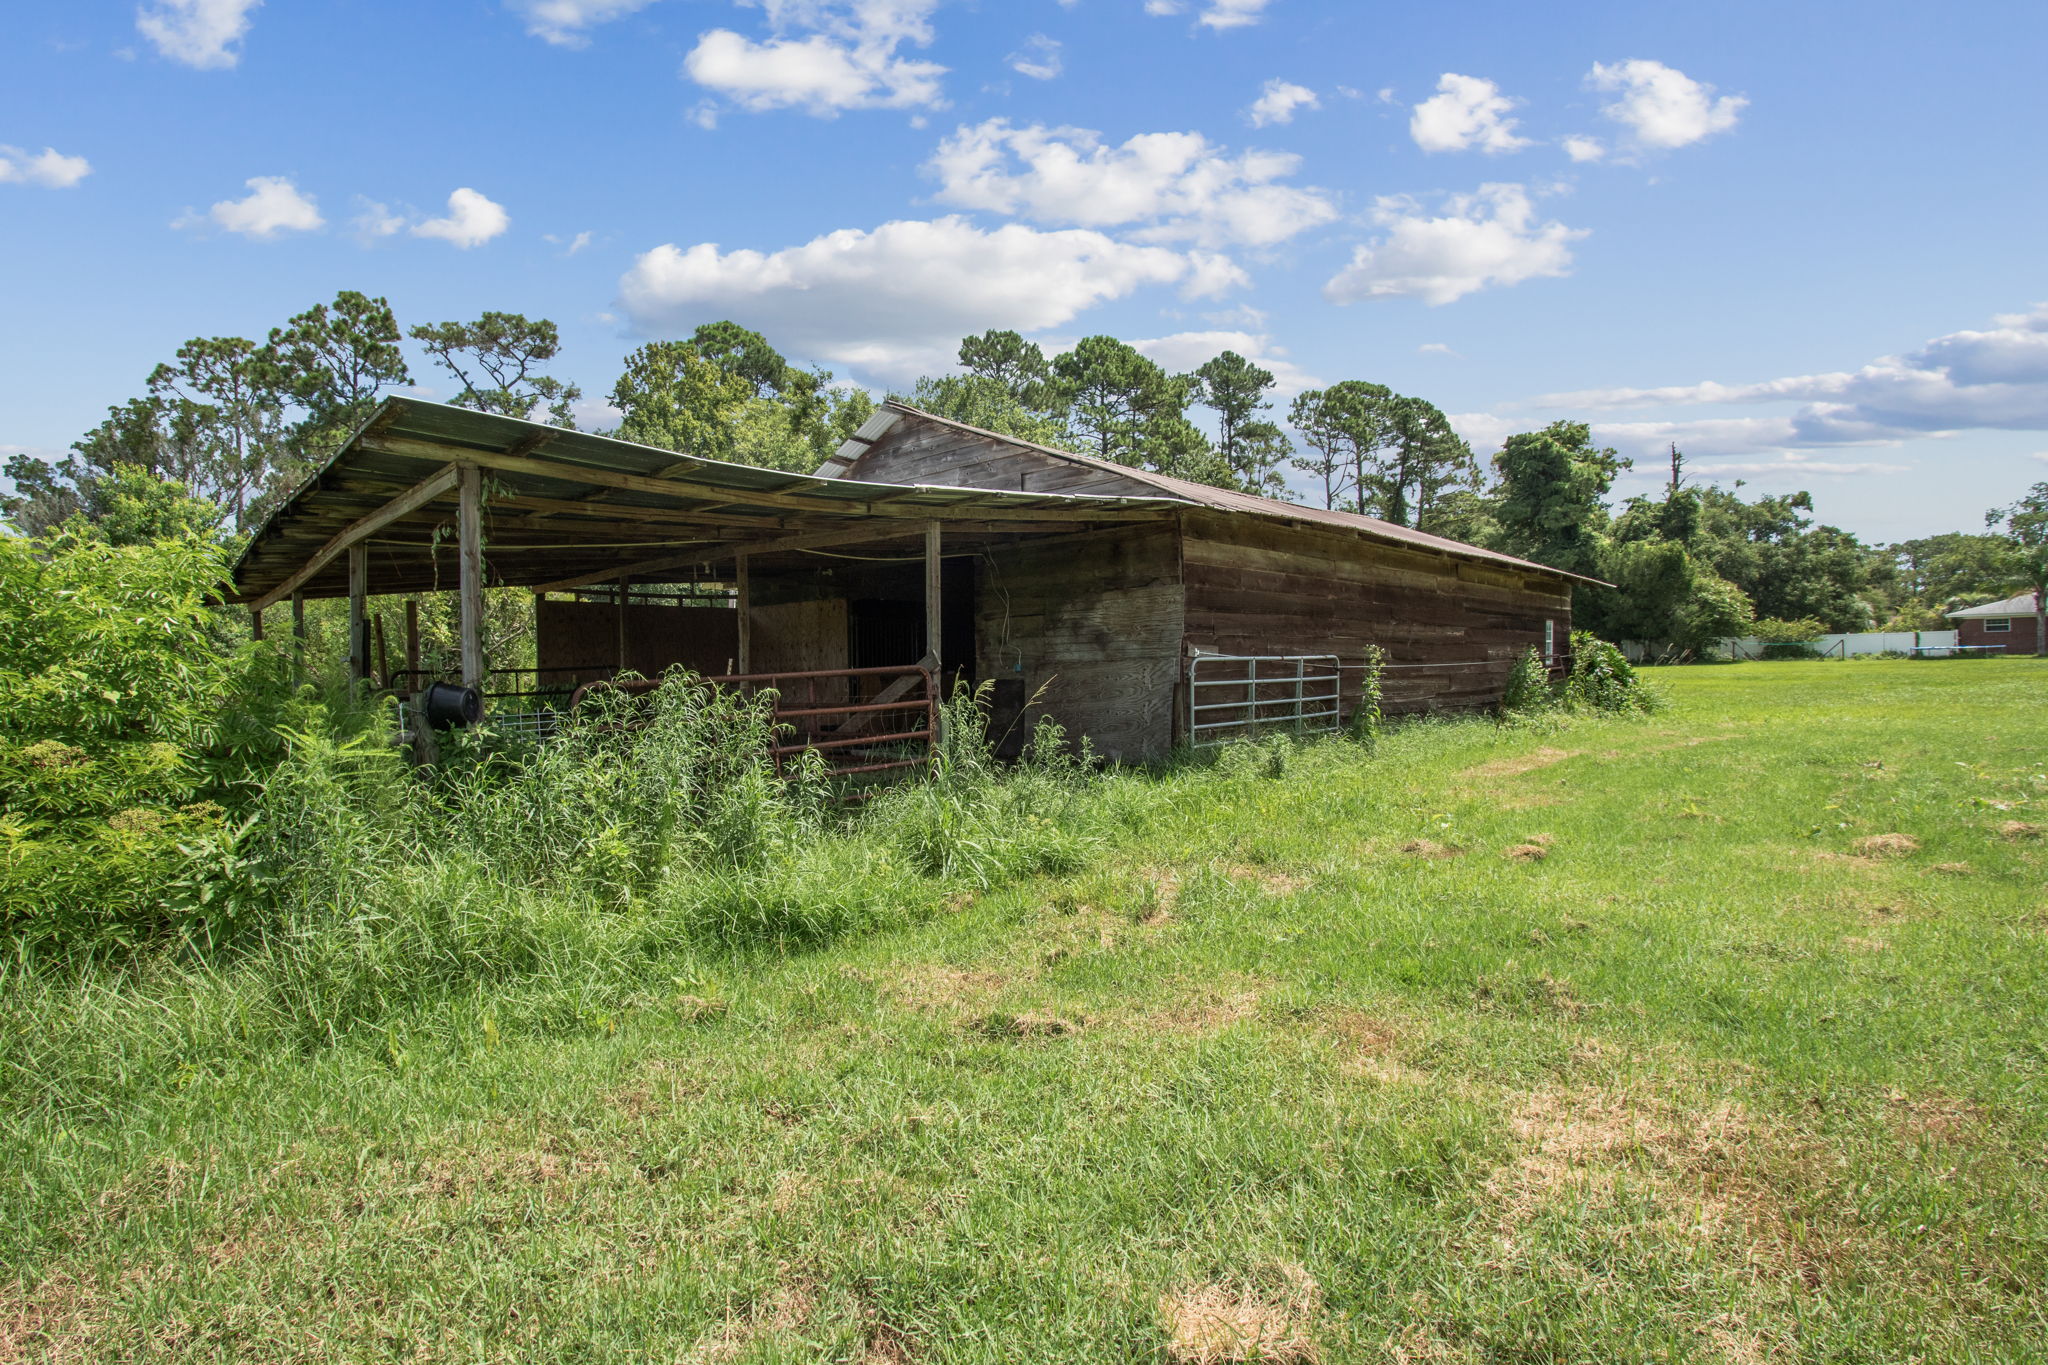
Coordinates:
567 502
1202 494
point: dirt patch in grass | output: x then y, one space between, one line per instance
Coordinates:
1430 848
1266 879
2018 831
1210 1013
1526 853
1937 1118
1269 1317
885 1344
781 1313
1367 1047
1521 763
1624 1165
936 986
1161 895
1026 1025
487 1170
1417 1344
1694 742
1885 846
1856 944
1953 869
58 1320
1584 1144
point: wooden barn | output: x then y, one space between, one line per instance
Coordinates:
1139 610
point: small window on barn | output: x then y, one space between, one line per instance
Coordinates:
1997 625
1550 639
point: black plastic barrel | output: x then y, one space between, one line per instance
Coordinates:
450 705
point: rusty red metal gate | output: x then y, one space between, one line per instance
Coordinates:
861 722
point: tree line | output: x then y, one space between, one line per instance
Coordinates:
224 429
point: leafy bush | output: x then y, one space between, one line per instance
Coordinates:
119 746
1528 687
1601 679
1773 631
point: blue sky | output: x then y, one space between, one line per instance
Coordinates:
1805 241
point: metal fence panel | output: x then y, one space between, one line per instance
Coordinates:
1234 696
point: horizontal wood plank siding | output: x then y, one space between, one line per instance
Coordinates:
1095 621
585 636
1266 587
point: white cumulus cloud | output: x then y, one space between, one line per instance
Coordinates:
894 301
1662 108
1582 148
1489 237
1039 58
373 221
1989 378
202 33
1278 101
564 22
823 56
1185 351
49 168
471 220
1217 14
1466 112
273 205
1164 186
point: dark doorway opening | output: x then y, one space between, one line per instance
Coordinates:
887 631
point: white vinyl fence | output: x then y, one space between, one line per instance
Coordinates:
1860 642
1921 642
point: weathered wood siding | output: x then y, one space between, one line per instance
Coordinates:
1256 586
918 451
1095 619
799 637
585 636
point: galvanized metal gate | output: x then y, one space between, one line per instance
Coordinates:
1236 696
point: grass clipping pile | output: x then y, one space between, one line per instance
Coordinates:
1268 1317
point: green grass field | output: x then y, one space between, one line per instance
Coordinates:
1608 1040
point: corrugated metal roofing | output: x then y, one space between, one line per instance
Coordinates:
1201 494
552 491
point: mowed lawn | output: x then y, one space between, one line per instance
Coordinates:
1719 1035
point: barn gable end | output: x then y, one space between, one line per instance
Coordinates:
1115 628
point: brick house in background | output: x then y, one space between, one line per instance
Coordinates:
2010 623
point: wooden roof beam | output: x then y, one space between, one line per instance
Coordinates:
437 485
721 549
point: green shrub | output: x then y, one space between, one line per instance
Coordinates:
119 747
1528 688
1601 679
1368 720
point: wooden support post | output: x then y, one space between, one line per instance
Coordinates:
745 602
383 651
255 623
358 608
299 633
412 643
624 584
931 594
469 534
